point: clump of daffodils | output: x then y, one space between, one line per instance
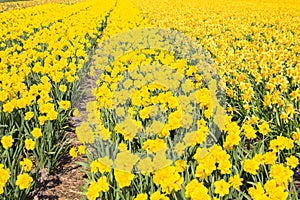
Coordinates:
157 124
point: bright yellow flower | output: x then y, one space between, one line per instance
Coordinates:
152 146
269 158
168 178
94 188
81 149
52 115
158 196
145 166
180 165
26 164
251 166
141 197
29 144
281 174
8 107
120 111
281 143
29 115
7 141
122 147
249 131
264 128
275 191
73 152
292 161
23 181
4 177
84 133
42 120
103 185
125 161
236 181
102 165
36 132
123 178
65 105
258 192
221 187
196 190
63 88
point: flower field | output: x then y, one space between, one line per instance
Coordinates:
193 99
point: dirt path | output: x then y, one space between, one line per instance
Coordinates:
67 181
